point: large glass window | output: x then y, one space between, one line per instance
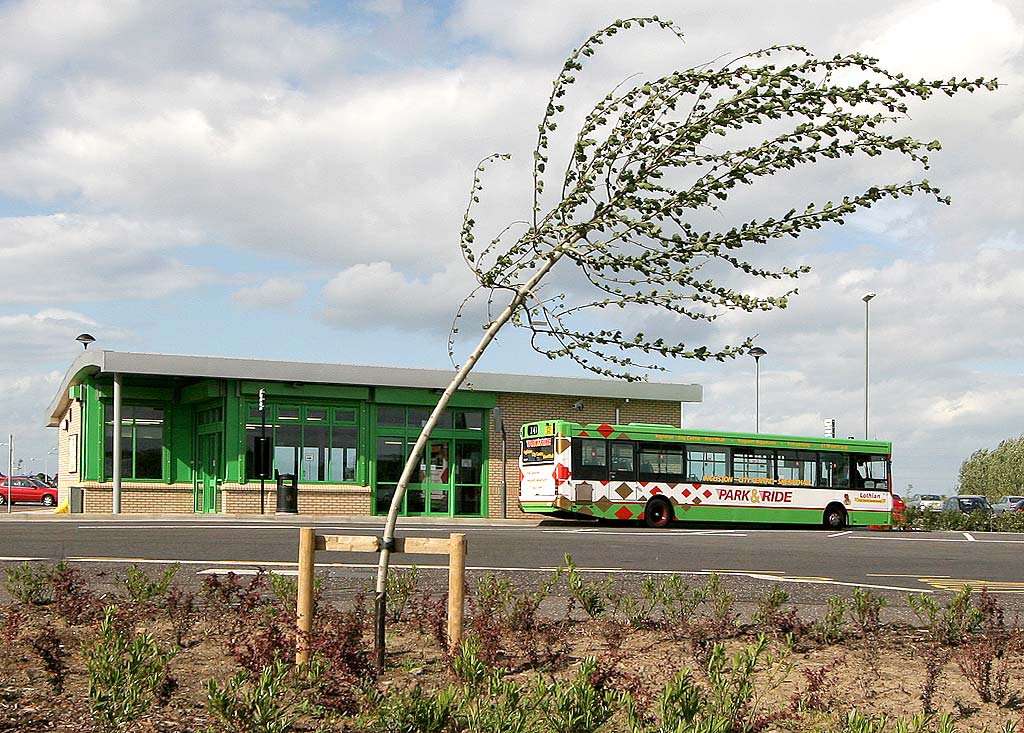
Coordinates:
142 440
343 454
707 464
468 489
317 443
390 460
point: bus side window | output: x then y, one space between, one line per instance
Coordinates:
751 463
622 467
796 468
834 470
661 462
707 463
871 472
590 459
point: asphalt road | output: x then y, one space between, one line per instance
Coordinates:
812 564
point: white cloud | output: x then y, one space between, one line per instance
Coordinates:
944 38
373 295
65 258
275 292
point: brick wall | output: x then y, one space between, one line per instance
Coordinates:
65 459
523 408
313 499
138 498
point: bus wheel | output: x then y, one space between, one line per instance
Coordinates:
835 517
658 513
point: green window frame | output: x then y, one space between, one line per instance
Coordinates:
396 428
320 443
143 440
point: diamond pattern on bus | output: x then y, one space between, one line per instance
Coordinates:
655 491
707 493
624 513
624 491
605 430
686 493
604 504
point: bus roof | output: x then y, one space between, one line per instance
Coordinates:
670 433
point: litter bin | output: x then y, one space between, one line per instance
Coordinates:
287 494
77 502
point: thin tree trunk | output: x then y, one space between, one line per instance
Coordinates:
417 450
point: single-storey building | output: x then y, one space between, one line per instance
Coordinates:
189 427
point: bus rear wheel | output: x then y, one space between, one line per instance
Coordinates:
835 517
658 513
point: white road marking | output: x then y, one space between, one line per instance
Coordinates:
840 534
970 538
941 539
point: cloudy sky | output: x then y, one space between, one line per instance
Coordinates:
286 180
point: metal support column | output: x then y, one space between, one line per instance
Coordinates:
116 459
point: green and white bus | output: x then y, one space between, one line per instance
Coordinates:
659 474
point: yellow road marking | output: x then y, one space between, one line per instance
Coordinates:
956 584
744 572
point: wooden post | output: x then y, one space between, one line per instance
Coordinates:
456 588
304 609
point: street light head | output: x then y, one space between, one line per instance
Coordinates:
868 296
757 352
85 339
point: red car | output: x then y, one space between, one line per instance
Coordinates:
899 508
26 489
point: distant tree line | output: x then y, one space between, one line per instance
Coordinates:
995 472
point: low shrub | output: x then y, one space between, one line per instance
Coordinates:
142 589
127 674
29 584
866 610
264 702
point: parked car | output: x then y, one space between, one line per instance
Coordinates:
967 503
1018 507
899 508
1005 502
928 502
27 490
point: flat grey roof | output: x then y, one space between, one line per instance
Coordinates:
219 367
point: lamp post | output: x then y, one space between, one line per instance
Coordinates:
867 299
757 352
10 470
46 467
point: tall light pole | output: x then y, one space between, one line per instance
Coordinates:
867 299
757 352
10 471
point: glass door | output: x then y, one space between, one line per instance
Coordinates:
429 492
